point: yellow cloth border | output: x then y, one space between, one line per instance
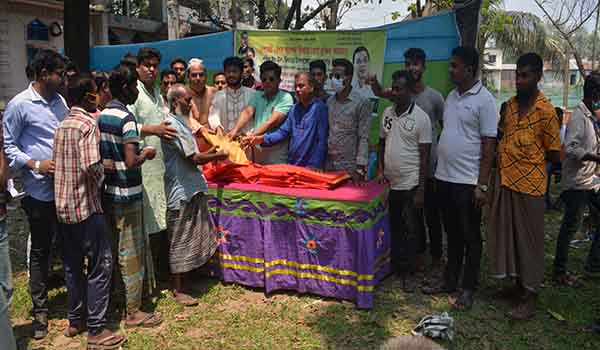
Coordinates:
308 275
379 263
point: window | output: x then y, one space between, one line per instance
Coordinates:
37 30
492 59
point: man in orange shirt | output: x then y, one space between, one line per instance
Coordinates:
530 137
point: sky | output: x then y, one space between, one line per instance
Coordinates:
371 15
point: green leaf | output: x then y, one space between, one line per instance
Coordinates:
556 316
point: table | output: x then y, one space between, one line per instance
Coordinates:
332 243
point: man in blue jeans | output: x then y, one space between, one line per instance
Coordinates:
579 179
29 122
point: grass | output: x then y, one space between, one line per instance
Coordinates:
234 317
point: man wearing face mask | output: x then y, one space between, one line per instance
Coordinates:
78 182
228 104
268 109
515 235
349 116
579 179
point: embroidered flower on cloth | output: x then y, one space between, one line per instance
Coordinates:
300 206
222 235
311 244
380 236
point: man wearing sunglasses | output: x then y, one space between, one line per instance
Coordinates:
268 109
228 104
30 121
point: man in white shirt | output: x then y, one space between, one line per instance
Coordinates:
228 104
465 154
579 179
404 146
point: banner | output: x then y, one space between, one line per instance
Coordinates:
293 51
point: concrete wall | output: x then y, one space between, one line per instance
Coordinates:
18 16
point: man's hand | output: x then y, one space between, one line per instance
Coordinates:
381 179
149 153
165 131
220 131
109 166
251 141
480 198
358 178
221 155
47 167
420 197
233 134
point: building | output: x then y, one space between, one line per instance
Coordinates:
27 26
497 74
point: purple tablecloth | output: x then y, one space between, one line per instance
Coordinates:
333 248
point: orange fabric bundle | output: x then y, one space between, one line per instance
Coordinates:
236 154
280 175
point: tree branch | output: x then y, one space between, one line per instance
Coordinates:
290 14
566 37
584 20
307 18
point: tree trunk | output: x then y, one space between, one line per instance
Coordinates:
77 33
331 23
290 15
234 13
419 9
566 81
262 15
467 19
595 38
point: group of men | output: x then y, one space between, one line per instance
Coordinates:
110 162
485 157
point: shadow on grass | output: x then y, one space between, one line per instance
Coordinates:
343 326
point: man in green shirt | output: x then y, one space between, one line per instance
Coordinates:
150 114
268 109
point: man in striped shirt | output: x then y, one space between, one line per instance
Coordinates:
78 179
123 192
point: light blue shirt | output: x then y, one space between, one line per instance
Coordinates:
183 178
29 126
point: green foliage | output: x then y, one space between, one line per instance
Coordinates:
138 8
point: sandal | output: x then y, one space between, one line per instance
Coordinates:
465 301
524 311
185 300
72 331
568 281
150 320
108 340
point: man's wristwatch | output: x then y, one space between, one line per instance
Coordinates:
483 188
36 167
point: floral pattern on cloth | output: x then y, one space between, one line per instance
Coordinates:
380 236
222 235
300 206
311 244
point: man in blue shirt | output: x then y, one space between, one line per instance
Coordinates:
30 121
192 238
306 126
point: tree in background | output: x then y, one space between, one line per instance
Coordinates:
568 17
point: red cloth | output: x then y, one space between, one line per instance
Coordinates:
280 175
